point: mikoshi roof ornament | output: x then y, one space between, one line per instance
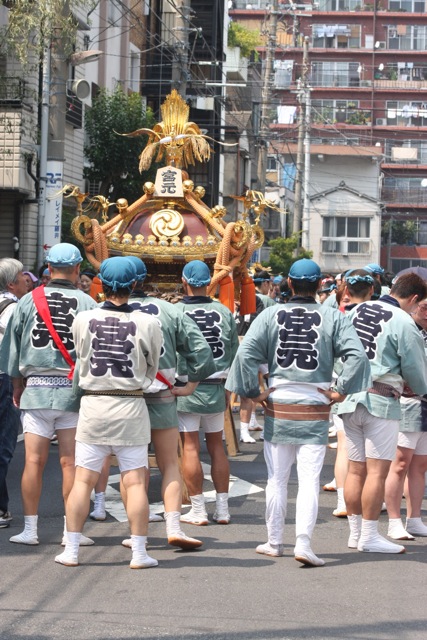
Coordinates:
170 225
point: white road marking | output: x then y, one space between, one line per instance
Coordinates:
114 505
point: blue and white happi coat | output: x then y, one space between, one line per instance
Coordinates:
28 349
218 327
180 336
395 350
117 349
299 341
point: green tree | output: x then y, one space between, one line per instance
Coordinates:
247 39
283 253
402 231
33 24
114 159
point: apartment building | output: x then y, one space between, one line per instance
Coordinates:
367 73
27 228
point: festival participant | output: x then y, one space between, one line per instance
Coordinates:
13 286
45 276
206 406
378 273
180 335
248 419
38 353
86 279
395 350
118 354
299 341
264 286
31 280
327 285
358 287
331 300
410 462
275 289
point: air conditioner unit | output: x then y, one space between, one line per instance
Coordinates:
381 122
382 44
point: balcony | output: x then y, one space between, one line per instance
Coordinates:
345 246
12 90
16 140
235 66
330 115
400 85
400 196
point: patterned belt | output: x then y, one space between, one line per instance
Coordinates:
212 381
48 381
161 397
297 411
133 393
385 390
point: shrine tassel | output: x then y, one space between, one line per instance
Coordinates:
247 296
226 293
96 291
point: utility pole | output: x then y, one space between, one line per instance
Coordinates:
305 236
302 125
181 30
267 87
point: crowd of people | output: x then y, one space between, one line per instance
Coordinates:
320 353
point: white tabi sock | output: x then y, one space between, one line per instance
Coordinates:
416 527
70 556
222 514
304 554
397 531
173 526
355 524
84 540
176 536
371 541
140 557
340 499
29 535
244 434
198 504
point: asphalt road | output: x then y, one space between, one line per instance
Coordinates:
225 591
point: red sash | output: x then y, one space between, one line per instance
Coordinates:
42 307
161 378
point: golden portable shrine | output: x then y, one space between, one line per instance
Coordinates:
170 224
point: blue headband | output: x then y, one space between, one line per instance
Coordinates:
63 254
117 273
196 273
141 269
305 269
374 268
354 279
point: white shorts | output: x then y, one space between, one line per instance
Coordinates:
263 369
92 456
416 440
210 422
338 423
368 436
44 422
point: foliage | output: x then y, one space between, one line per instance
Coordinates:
283 253
114 159
247 39
402 232
31 25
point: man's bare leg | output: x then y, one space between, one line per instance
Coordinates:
220 476
36 454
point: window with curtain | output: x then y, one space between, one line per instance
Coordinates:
346 234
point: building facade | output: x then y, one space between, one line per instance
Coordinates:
367 73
